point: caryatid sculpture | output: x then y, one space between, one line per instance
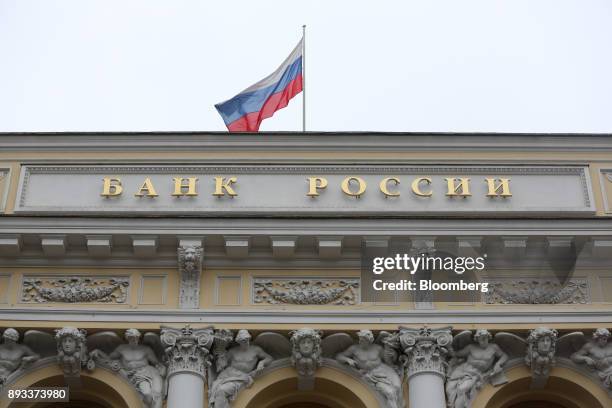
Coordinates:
597 355
13 356
306 355
237 369
368 358
140 365
540 357
471 367
71 350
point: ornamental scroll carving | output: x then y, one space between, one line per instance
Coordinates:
537 291
306 291
75 289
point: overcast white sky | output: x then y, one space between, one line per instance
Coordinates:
469 65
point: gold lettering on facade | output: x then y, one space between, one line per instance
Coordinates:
315 184
416 188
222 184
504 186
188 183
147 189
346 186
353 186
111 187
384 186
460 190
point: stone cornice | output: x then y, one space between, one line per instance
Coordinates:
298 141
219 317
308 226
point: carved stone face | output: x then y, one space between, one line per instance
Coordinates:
483 341
366 338
602 341
69 345
190 257
544 344
243 343
306 345
132 336
10 336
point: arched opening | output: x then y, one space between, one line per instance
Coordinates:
92 393
537 404
304 405
566 388
333 388
98 389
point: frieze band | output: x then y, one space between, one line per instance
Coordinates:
231 361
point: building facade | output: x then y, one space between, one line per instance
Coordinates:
213 270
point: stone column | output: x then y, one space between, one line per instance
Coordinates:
188 352
426 351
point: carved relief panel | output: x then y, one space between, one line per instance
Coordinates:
75 289
305 291
537 291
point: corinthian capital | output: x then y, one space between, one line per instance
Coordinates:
187 349
425 349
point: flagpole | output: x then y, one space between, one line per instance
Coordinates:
304 78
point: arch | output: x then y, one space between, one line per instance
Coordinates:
334 388
100 387
566 388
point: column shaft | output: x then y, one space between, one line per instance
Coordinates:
426 391
186 390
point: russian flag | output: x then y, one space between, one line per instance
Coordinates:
245 111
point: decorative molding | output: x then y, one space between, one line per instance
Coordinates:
297 141
141 289
75 289
314 169
221 278
4 298
298 318
305 291
537 291
178 227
